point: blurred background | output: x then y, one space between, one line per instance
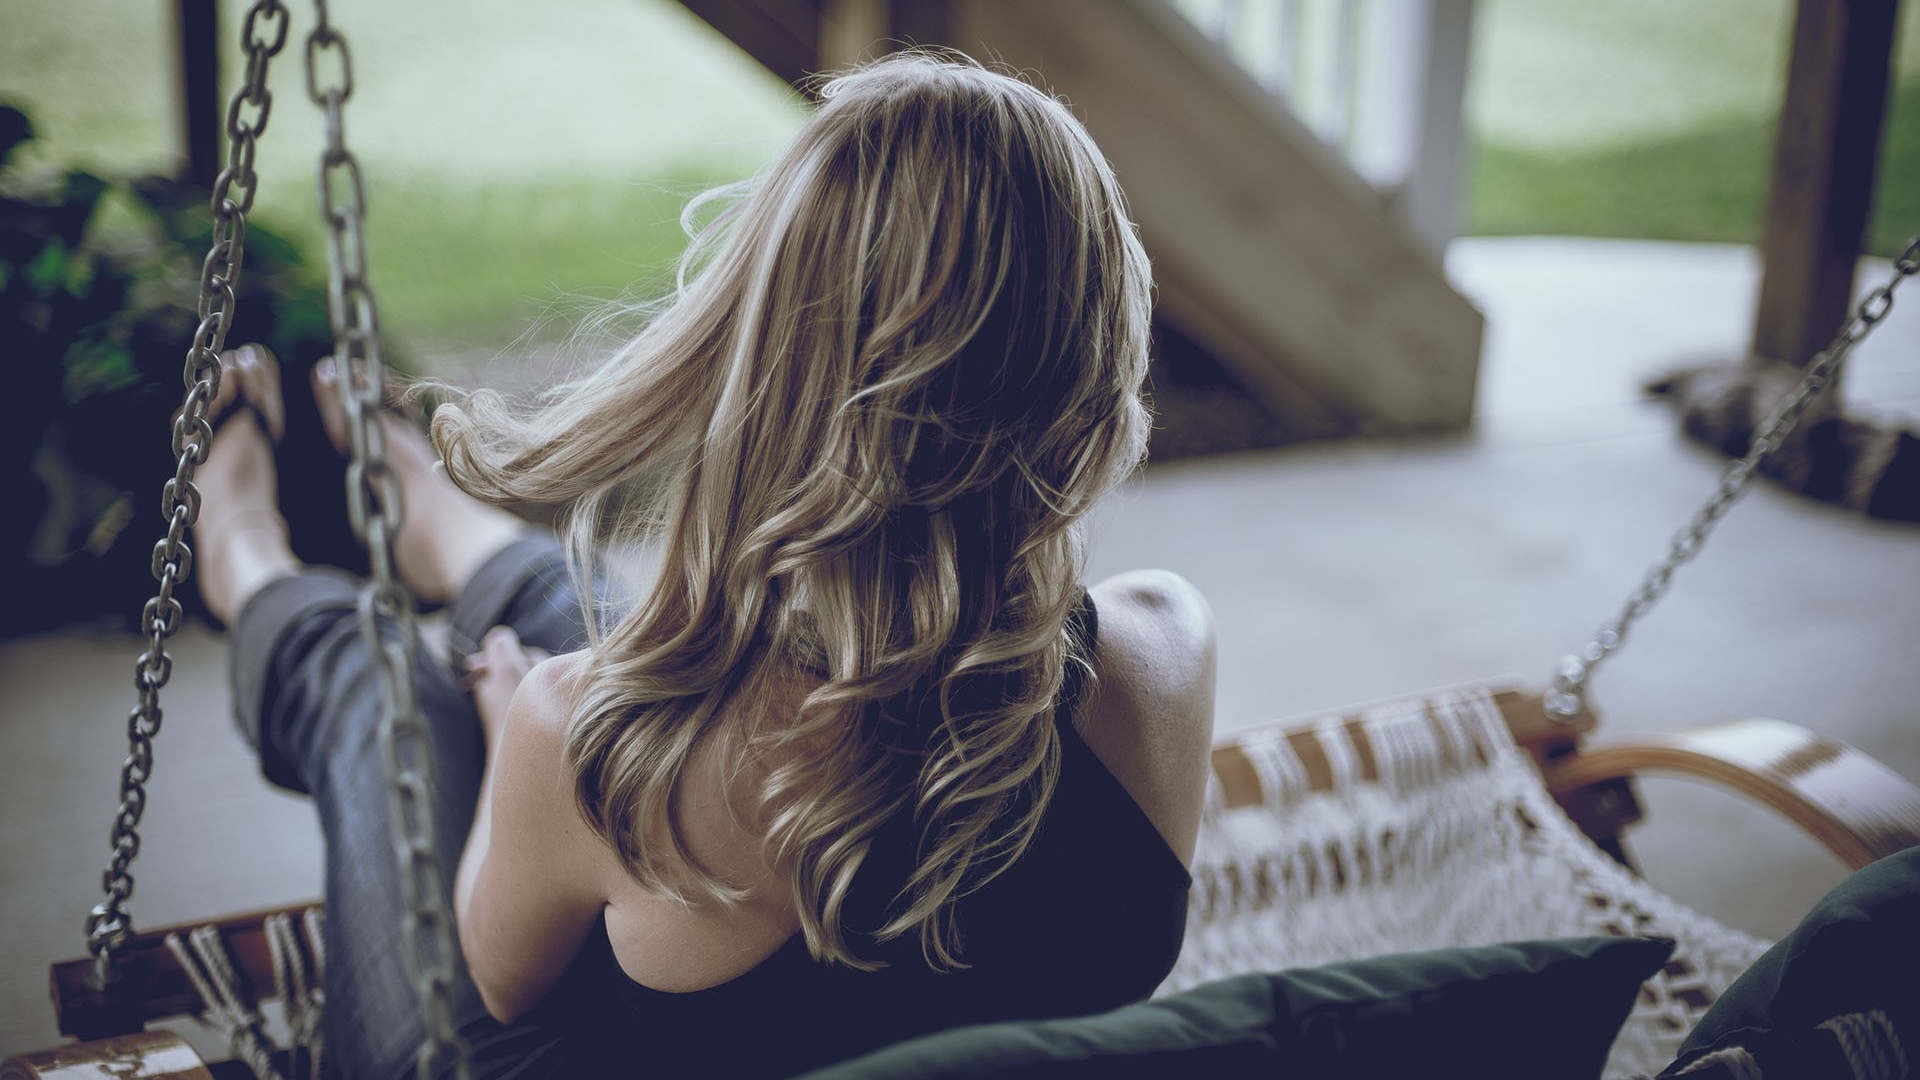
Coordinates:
1416 261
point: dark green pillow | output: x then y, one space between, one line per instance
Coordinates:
1530 1009
1809 1004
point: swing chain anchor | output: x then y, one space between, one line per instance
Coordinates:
109 925
1567 694
386 611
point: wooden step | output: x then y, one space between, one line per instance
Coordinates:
1269 251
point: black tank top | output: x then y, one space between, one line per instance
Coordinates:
1090 918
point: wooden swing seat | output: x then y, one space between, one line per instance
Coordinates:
1857 807
141 1055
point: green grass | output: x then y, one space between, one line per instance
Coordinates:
517 164
462 272
1652 119
473 269
517 160
1709 183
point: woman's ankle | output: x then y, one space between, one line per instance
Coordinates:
452 537
241 556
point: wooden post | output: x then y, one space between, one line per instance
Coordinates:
1412 143
1823 173
922 22
849 30
196 25
852 31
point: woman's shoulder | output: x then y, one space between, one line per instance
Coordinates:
1153 611
1150 719
547 695
538 718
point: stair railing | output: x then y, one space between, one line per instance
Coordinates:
1381 82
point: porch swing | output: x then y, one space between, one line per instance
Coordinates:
1455 817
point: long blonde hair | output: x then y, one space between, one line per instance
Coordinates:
899 368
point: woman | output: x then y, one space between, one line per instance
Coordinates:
865 760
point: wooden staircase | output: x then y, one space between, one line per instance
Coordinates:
1270 253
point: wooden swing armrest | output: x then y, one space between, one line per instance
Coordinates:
1859 808
1522 710
150 984
143 1055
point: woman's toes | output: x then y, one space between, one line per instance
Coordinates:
249 375
333 411
260 381
405 445
447 535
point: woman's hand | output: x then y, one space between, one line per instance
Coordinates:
495 672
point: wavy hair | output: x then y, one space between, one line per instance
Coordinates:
897 370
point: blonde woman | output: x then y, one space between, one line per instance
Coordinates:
865 759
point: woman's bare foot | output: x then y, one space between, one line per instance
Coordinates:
446 534
240 537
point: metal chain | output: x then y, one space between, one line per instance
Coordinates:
386 609
1568 693
263 35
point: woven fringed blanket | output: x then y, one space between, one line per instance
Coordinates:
1441 835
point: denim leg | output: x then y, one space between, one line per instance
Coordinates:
309 697
527 586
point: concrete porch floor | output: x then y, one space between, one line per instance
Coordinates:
1338 573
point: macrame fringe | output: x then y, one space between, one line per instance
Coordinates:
299 977
1454 842
1871 1046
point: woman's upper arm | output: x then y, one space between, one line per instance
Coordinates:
535 886
1152 718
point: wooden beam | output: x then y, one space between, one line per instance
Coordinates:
1283 261
1269 251
784 35
1308 411
1823 174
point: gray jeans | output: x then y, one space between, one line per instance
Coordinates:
307 695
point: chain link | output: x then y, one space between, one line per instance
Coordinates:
1568 693
374 505
109 924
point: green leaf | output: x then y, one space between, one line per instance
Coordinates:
268 251
49 270
80 196
94 366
